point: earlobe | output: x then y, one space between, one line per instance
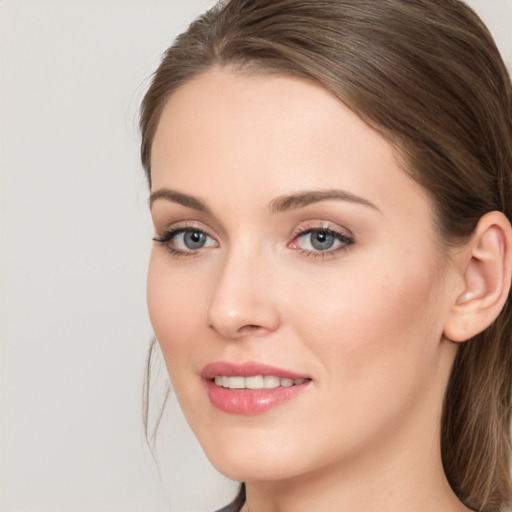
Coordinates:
486 271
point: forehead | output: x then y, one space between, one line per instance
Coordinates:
267 135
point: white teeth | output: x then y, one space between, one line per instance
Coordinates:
237 382
270 381
256 382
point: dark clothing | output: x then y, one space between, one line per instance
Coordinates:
237 503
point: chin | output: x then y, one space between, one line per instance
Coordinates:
263 457
242 469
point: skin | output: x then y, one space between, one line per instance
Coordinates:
365 321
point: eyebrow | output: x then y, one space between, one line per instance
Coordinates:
179 198
278 205
303 199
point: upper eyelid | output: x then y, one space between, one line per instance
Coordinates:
300 230
209 226
323 226
186 226
334 232
340 236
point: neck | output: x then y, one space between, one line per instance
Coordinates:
386 478
378 492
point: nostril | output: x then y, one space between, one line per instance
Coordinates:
250 329
244 330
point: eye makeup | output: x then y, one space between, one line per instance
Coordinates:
313 240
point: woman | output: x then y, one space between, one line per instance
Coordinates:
329 283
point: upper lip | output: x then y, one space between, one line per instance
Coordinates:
247 369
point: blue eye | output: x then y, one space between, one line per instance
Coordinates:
321 240
182 240
191 239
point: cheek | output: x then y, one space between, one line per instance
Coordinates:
374 340
175 306
374 321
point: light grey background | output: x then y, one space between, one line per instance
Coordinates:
75 238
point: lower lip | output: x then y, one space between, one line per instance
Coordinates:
251 401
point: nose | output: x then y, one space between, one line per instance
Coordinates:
244 302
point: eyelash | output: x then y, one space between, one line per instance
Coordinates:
167 237
345 241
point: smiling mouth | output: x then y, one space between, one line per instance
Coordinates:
256 382
251 388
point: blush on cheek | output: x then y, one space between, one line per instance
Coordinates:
161 305
174 305
377 314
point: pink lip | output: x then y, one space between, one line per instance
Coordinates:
249 401
247 369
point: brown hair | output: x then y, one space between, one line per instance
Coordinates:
427 75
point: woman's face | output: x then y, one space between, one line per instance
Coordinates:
297 289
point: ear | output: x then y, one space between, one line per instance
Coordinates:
485 265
